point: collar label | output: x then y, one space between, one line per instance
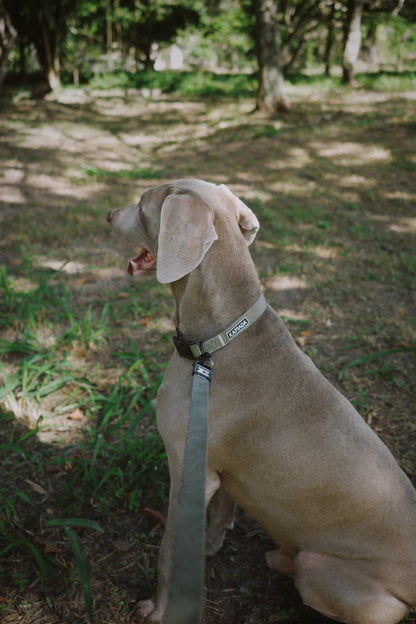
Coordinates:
238 328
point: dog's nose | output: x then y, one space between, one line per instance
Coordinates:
110 216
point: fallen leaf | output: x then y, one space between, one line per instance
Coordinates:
122 545
77 414
36 487
146 321
83 280
51 468
154 514
52 549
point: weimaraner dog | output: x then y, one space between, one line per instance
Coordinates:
283 442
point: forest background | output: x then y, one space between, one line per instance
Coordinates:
74 41
307 111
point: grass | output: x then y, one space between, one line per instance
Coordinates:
27 307
35 372
83 348
133 174
112 464
187 83
211 84
388 81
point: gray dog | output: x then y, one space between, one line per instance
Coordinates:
283 442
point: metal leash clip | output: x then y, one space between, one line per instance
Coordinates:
203 369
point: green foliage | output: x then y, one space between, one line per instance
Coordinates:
26 307
120 458
146 173
88 38
79 554
119 463
382 369
388 81
92 38
185 83
210 84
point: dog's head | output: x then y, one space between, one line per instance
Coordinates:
175 225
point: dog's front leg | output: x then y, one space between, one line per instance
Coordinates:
147 611
220 518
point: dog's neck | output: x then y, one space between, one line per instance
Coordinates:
211 297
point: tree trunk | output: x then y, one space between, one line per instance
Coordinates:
271 96
22 57
7 38
109 26
330 38
52 66
352 41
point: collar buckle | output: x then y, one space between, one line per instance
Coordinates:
186 348
194 350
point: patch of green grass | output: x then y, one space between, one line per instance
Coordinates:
375 81
118 463
146 173
28 306
86 330
388 81
273 227
14 536
120 455
311 213
316 81
262 131
379 366
40 375
293 222
185 83
123 455
405 164
81 561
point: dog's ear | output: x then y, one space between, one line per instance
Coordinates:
247 220
186 233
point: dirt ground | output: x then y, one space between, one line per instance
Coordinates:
333 184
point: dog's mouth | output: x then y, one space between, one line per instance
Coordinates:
141 263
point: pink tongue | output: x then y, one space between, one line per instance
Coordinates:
140 263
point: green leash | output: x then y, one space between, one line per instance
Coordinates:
187 569
187 565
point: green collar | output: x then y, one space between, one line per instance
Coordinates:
193 350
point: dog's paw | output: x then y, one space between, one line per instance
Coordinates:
146 612
281 562
214 542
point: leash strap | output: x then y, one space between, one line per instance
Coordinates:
187 565
193 350
187 569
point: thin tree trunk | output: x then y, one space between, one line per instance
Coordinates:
22 57
352 41
51 66
4 62
271 96
109 26
8 36
330 38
